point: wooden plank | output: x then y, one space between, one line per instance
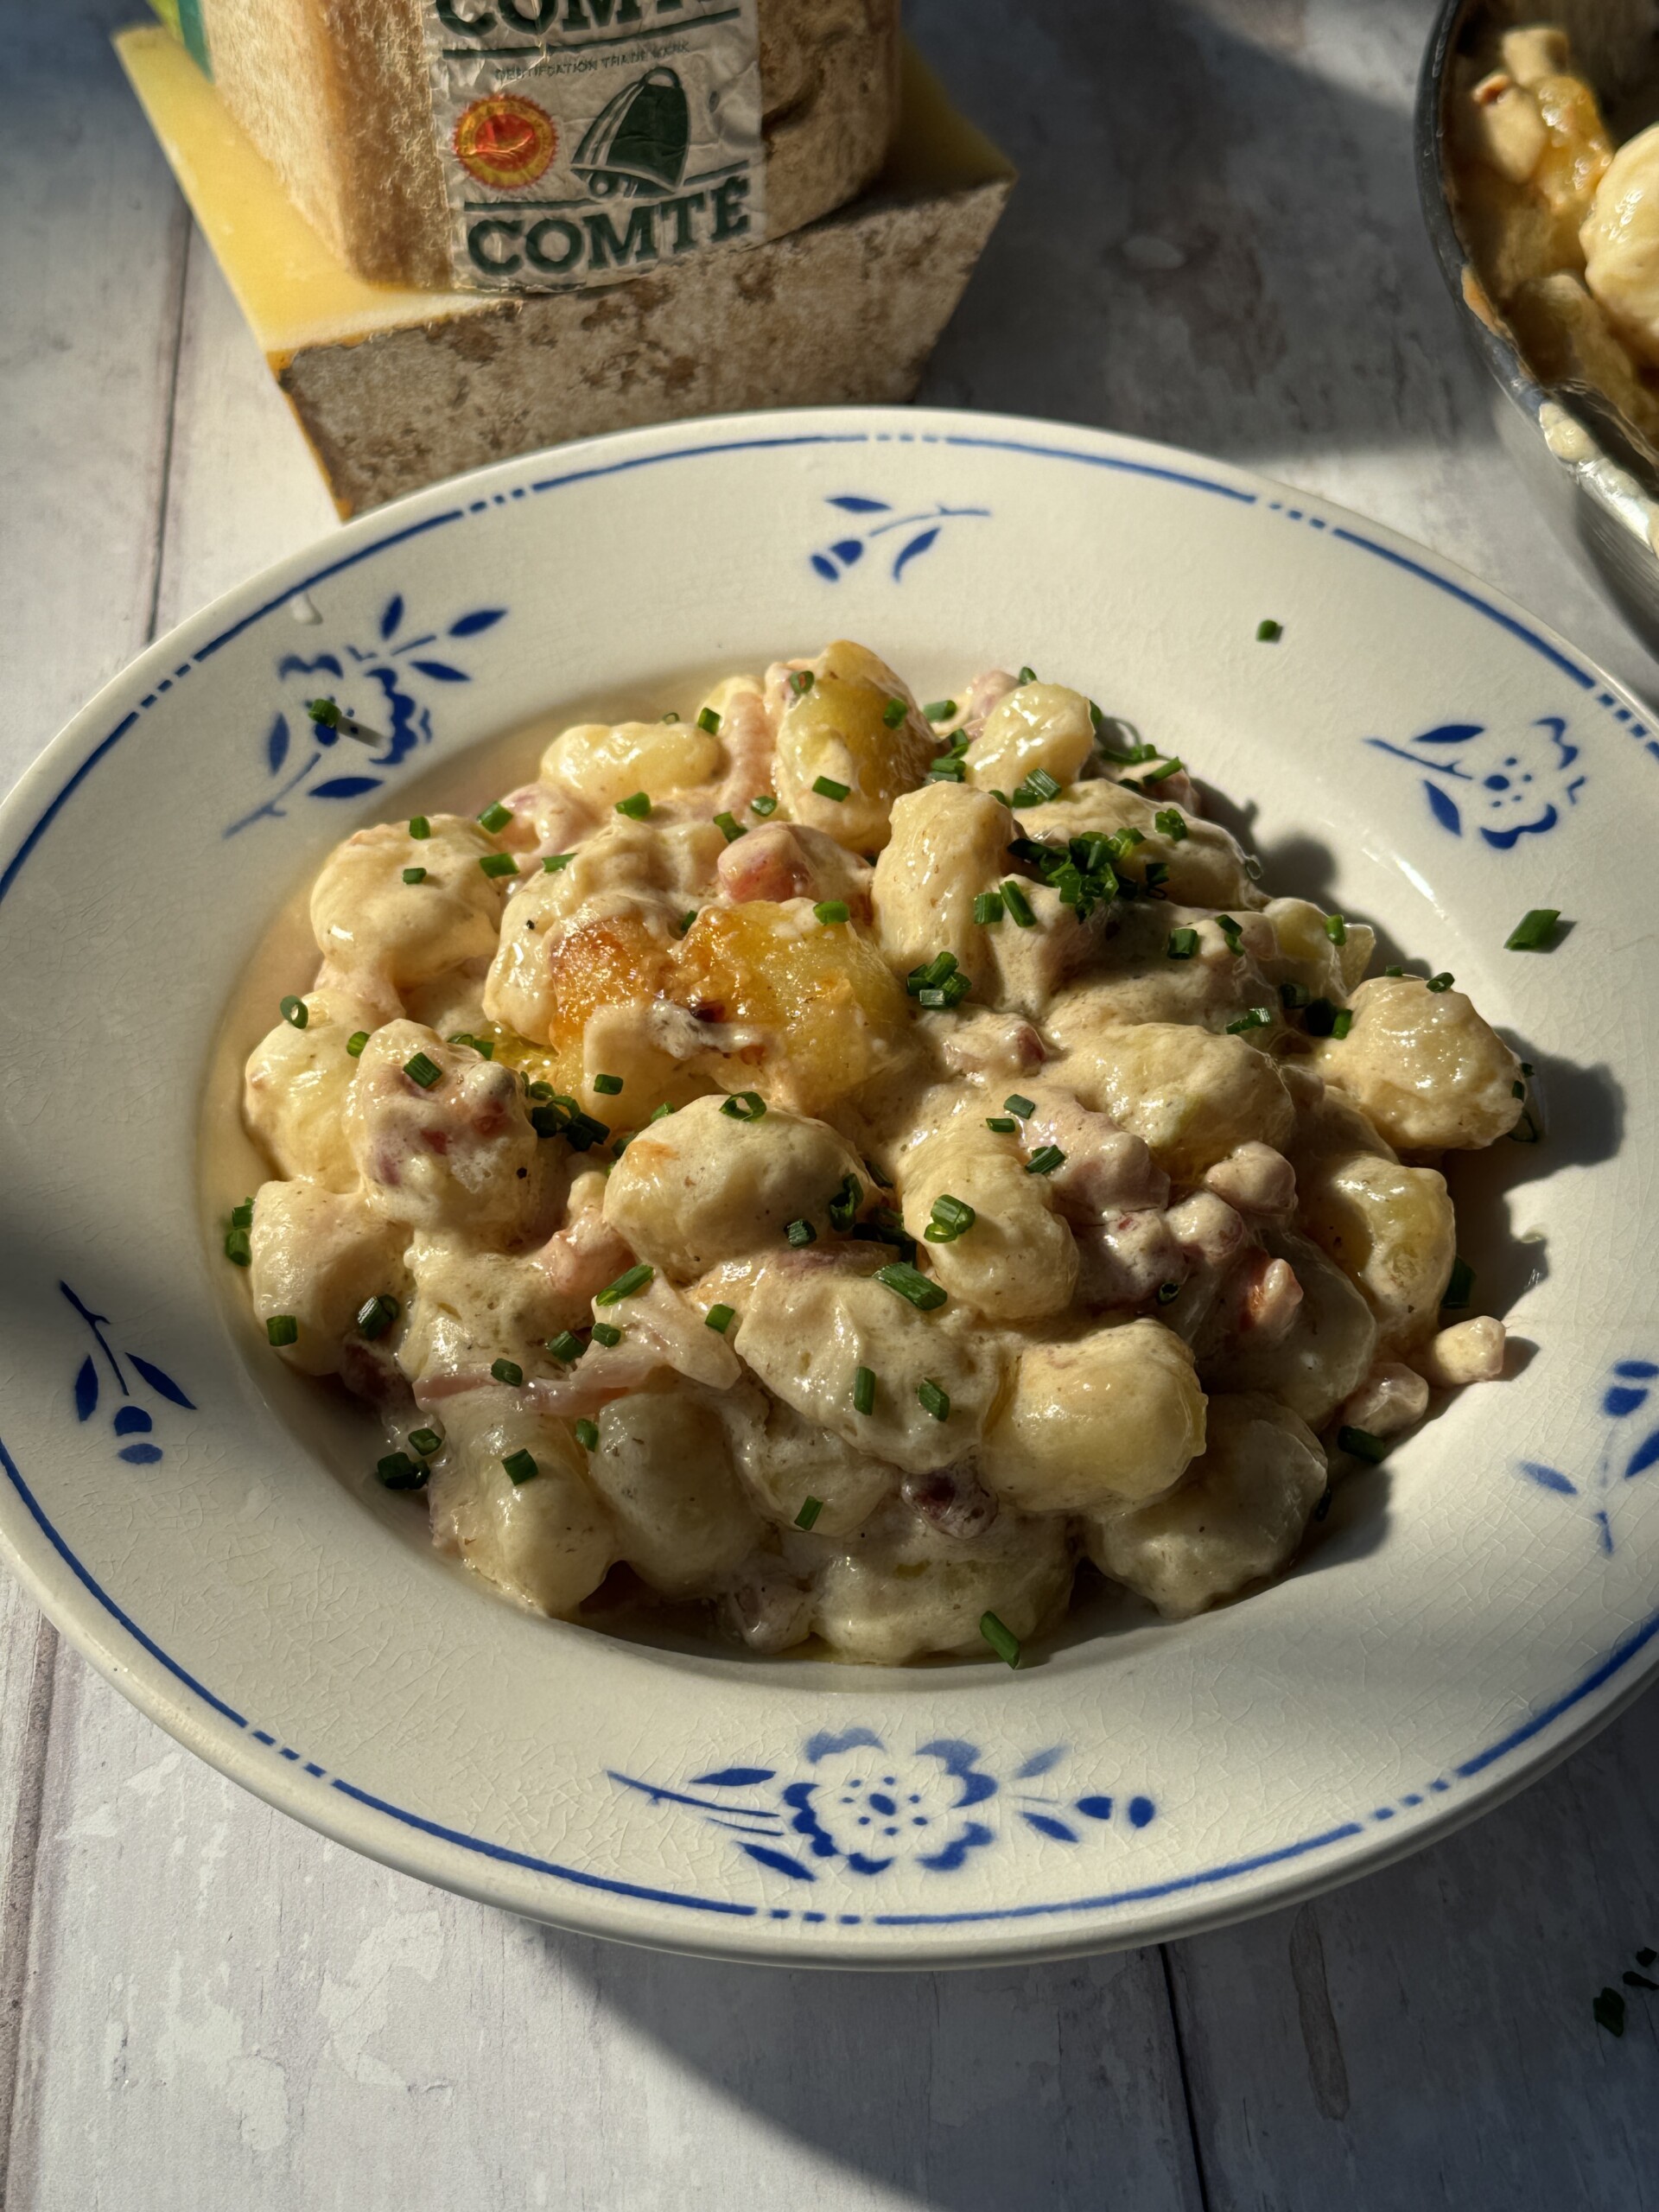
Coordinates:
1425 2037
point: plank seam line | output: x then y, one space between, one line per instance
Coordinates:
1193 2136
16 1908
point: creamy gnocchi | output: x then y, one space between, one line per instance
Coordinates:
845 1164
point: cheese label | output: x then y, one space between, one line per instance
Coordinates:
585 141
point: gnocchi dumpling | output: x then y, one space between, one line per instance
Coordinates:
1192 1096
1037 726
901 1589
295 1086
510 1496
1429 1073
368 914
853 726
319 1257
1116 1413
1019 1262
662 1467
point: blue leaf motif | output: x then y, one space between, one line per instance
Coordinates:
1548 1478
132 1420
345 787
1142 1810
919 544
1620 1400
1449 734
733 1777
391 614
1040 1763
440 671
141 1455
826 568
276 744
1638 1370
1644 1457
482 618
850 503
158 1379
1444 807
1045 1826
86 1389
295 665
1096 1808
780 1861
849 550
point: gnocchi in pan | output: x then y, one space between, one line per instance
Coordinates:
847 1163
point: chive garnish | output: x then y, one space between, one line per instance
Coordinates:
1027 675
1234 934
414 876
1535 932
398 1472
507 1372
495 817
1268 632
1157 875
627 1284
1362 1445
930 974
661 1113
607 1085
1174 766
951 1218
1002 1641
281 1329
729 827
1254 1017
686 920
810 1509
894 712
1018 904
608 1334
1293 996
1169 822
987 907
1168 1293
567 1347
745 1106
587 1435
521 1467
863 1390
1341 1022
1443 982
1335 929
376 1315
720 1318
1182 944
495 864
843 1207
799 1234
636 806
1044 1160
801 683
940 710
419 828
1459 1283
709 721
911 1285
831 911
356 1041
1038 788
424 1071
762 803
238 1247
556 861
1004 1124
935 1399
827 787
294 1012
950 993
324 711
671 716
1013 1104
947 769
426 1441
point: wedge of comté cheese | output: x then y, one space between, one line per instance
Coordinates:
338 97
396 387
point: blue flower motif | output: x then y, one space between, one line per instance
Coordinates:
1626 1388
131 1424
1502 784
378 689
832 561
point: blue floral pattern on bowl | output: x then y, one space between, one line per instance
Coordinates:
832 561
1626 1388
1502 783
863 1807
132 1423
393 718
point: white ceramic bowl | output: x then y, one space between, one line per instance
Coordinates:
203 1525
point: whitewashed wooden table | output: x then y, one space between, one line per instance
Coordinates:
202 2006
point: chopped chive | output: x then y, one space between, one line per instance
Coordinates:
661 1113
686 920
1182 944
951 1218
549 1120
423 1071
831 911
1013 1104
1517 1090
762 803
1157 875
1001 796
607 1085
294 1012
1038 788
1168 1293
426 1441
414 876
1002 1641
1609 2009
281 1329
376 1315
521 1467
799 1234
720 1318
419 828
636 806
810 1509
1459 1283
1018 904
507 1372
863 1390
567 1347
1443 982
1394 971
556 861
398 1472
1254 1017
729 827
911 1285
242 1215
324 711
1335 929
356 1041
1526 1130
238 1247
843 1207
950 992
947 769
1004 1124
1293 996
1362 1445
497 864
495 817
1526 1067
1046 1160
672 715
629 1284
827 787
1169 822
988 908
932 973
1174 767
606 1333
1268 632
745 1106
587 1435
1234 934
894 712
801 683
709 721
1535 932
1341 1022
940 710
935 1399
1027 675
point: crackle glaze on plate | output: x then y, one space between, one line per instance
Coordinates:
1413 749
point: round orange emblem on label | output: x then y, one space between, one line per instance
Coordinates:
505 140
